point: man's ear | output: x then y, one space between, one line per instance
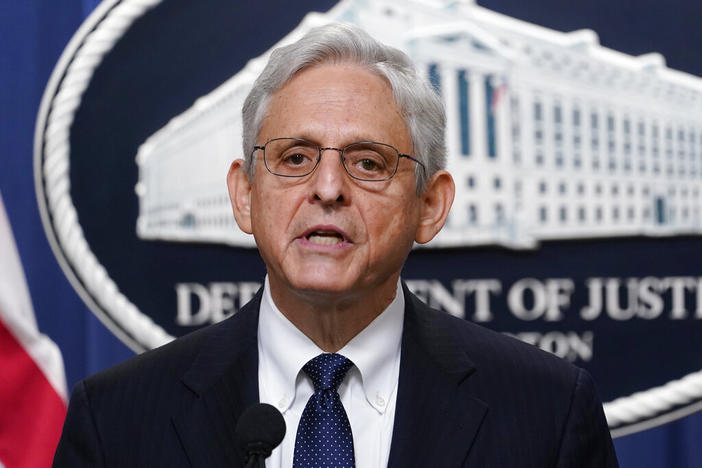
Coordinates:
435 202
240 195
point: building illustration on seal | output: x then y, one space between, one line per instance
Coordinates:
549 134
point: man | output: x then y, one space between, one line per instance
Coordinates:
344 172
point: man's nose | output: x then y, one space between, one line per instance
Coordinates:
330 181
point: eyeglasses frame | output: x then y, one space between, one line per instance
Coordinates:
341 156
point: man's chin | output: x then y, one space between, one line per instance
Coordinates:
327 287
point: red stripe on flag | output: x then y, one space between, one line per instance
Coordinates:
31 412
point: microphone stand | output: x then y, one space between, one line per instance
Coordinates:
255 460
256 455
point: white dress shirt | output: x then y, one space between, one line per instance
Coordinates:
368 392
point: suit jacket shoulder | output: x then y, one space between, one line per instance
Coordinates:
486 399
165 406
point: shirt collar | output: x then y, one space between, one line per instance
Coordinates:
375 351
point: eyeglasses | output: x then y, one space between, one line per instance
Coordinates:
364 160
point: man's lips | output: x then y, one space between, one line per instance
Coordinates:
325 236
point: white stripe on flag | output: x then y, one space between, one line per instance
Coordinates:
18 315
32 379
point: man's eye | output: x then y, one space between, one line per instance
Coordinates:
369 165
295 159
368 162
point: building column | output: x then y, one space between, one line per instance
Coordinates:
449 94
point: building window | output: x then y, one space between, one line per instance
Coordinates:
491 96
542 187
537 111
472 214
594 139
514 102
691 141
681 143
563 214
516 156
499 213
497 183
611 132
516 130
559 159
543 215
562 188
435 77
470 181
557 115
581 214
464 111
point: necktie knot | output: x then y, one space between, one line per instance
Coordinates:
327 370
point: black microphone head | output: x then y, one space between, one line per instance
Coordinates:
260 429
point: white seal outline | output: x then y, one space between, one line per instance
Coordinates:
71 76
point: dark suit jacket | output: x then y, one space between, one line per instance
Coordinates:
467 397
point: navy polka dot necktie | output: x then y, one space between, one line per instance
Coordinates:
324 434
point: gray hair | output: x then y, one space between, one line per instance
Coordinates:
416 99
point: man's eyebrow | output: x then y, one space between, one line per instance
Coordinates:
354 138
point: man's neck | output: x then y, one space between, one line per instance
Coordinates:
331 321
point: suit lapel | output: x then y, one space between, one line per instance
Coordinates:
222 381
436 419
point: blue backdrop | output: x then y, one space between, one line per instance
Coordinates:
33 34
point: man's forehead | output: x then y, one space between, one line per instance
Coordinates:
334 100
328 77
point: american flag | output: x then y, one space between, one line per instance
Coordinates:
499 89
32 379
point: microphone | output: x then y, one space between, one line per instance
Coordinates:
259 430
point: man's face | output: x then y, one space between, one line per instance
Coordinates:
326 233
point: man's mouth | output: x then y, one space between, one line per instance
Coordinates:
325 237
